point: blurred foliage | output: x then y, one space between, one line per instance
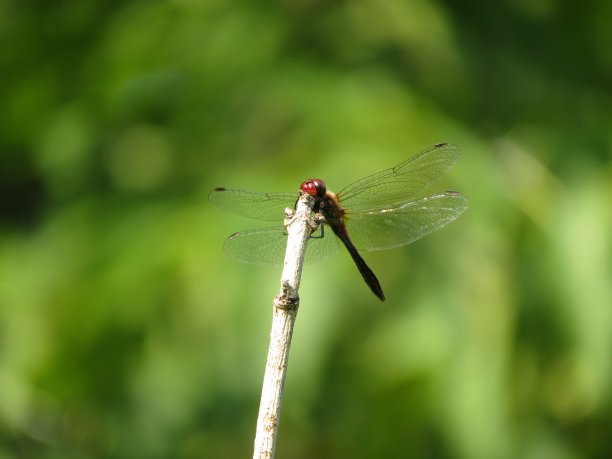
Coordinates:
125 333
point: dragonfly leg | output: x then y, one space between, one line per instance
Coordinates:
321 225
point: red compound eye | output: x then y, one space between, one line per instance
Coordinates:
314 187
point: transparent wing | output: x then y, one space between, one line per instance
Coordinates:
251 204
321 248
262 246
389 228
402 182
266 246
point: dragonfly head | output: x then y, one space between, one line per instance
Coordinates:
314 187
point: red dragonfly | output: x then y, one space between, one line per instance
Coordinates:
379 212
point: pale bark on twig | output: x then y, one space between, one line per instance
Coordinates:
299 227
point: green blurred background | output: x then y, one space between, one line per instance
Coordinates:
125 332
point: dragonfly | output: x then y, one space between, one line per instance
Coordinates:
382 211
